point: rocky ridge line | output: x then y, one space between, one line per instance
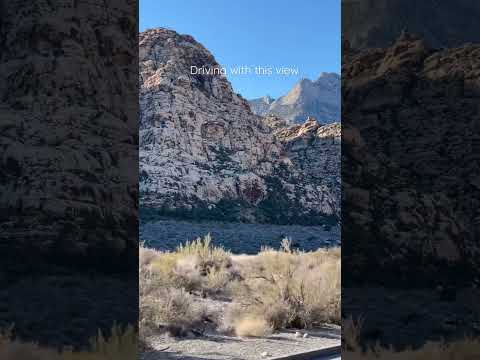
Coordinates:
319 99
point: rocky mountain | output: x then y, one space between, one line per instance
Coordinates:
204 154
410 160
314 152
69 180
441 23
319 99
68 138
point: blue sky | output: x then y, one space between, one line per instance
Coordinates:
303 34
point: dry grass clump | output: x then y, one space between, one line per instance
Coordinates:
466 349
209 256
121 345
252 326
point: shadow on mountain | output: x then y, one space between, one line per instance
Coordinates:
410 193
68 190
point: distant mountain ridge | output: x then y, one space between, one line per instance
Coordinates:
319 99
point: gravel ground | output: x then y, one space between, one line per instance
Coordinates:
221 347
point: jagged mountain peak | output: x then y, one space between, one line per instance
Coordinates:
268 99
329 79
169 57
319 98
328 75
261 105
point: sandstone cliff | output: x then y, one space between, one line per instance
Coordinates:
203 153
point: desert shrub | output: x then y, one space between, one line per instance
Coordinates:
168 280
278 315
321 292
146 256
209 256
231 314
174 270
164 263
147 289
173 311
185 273
237 289
292 288
197 265
165 303
217 279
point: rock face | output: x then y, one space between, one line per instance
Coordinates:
203 153
410 188
68 165
319 99
68 138
314 152
441 23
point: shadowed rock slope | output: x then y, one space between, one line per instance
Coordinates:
411 187
68 140
442 24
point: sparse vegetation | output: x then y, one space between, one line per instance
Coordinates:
121 345
465 349
272 290
292 289
295 289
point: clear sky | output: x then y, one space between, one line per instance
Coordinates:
303 34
